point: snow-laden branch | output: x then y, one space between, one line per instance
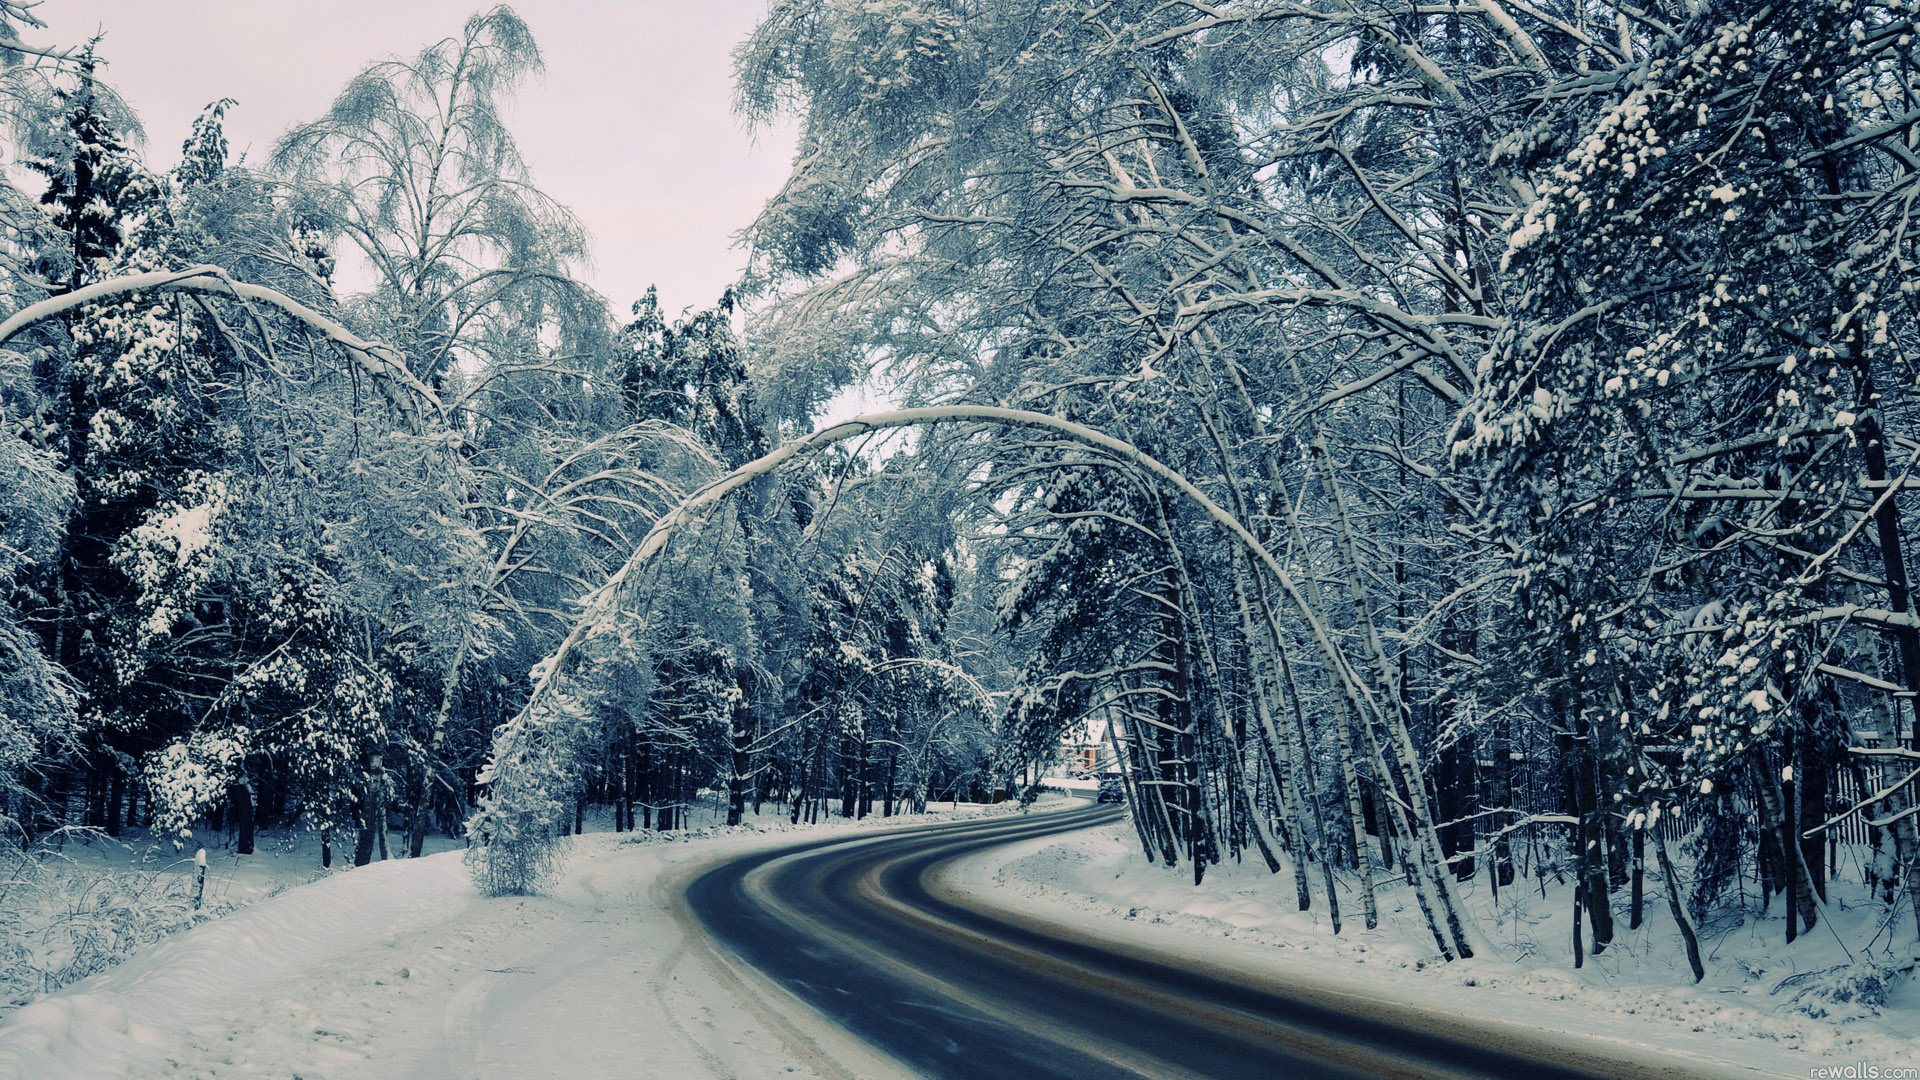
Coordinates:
382 362
601 607
1885 751
1879 796
1862 678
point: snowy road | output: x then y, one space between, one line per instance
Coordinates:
864 931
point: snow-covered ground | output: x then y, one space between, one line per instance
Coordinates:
83 902
1763 1009
400 969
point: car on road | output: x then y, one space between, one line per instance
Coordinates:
1111 791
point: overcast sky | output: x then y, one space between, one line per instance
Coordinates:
631 126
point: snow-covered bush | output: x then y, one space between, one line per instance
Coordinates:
517 839
1842 992
521 856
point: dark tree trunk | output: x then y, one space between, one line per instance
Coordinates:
801 791
1454 788
1636 910
377 812
666 789
1787 845
1813 777
1886 521
1579 889
240 798
417 816
95 797
363 846
1377 824
630 779
1588 837
116 793
893 766
1679 912
619 794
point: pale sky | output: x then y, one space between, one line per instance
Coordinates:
631 127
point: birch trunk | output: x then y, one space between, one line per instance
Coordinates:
1422 850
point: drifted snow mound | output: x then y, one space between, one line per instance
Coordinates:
134 1015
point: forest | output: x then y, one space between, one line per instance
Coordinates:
1430 443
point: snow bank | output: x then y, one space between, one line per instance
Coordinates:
401 969
1765 1009
137 1012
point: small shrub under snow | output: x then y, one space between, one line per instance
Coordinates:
59 925
1842 992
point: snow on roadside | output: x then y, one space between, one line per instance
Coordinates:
85 902
113 1021
1638 994
400 968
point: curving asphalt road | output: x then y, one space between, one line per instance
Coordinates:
857 930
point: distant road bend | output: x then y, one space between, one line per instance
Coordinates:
856 929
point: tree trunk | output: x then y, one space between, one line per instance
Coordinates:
849 776
1579 892
622 806
363 810
1886 521
240 798
419 813
1593 831
116 794
1774 809
1356 814
1502 755
1636 906
742 733
1812 777
377 789
1677 910
1135 799
803 789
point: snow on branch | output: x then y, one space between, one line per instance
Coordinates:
1861 677
1876 797
382 362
